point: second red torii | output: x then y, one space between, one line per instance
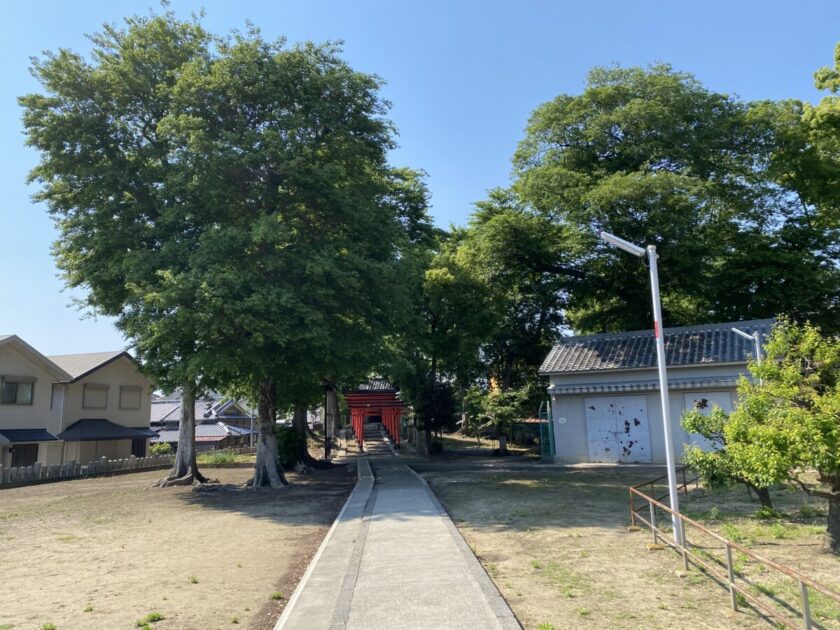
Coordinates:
376 398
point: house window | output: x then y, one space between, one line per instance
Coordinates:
95 396
130 396
16 390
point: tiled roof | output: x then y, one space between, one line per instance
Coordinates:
163 410
168 410
79 365
210 432
689 345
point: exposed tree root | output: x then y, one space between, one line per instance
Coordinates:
167 482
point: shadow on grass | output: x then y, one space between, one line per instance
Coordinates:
311 499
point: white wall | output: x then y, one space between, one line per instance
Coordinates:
119 372
38 415
571 441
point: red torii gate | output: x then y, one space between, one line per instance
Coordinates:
376 398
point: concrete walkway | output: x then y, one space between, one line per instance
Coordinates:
394 559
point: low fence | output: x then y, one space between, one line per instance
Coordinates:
701 551
40 473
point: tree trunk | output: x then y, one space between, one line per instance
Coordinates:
185 469
267 471
832 533
330 416
502 443
507 375
300 424
764 496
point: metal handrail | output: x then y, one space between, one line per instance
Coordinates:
805 582
652 484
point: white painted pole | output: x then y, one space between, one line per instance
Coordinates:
756 337
663 394
663 373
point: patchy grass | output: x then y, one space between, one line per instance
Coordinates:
555 541
152 617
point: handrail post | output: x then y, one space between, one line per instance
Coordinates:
632 509
733 600
806 606
653 522
684 545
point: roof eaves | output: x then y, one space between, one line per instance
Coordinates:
44 361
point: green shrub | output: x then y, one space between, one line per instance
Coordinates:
164 448
224 456
765 513
290 445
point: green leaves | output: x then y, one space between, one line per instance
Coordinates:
791 422
731 193
228 200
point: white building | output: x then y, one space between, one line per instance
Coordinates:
605 390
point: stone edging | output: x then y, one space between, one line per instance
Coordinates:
356 506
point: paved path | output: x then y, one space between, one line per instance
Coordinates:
394 559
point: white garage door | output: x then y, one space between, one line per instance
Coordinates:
617 429
704 402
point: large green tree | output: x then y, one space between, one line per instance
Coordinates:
114 184
653 156
519 256
288 144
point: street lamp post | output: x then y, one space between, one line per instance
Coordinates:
755 338
663 374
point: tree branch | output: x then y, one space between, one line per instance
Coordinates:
824 494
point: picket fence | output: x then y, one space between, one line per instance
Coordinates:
99 467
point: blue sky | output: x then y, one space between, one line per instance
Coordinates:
462 77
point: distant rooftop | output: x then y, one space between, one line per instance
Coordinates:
689 345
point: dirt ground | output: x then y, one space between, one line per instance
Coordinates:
555 542
106 552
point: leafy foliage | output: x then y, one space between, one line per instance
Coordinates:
289 445
163 448
717 466
653 156
434 406
790 422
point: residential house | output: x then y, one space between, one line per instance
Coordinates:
107 406
30 419
604 388
219 422
70 408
